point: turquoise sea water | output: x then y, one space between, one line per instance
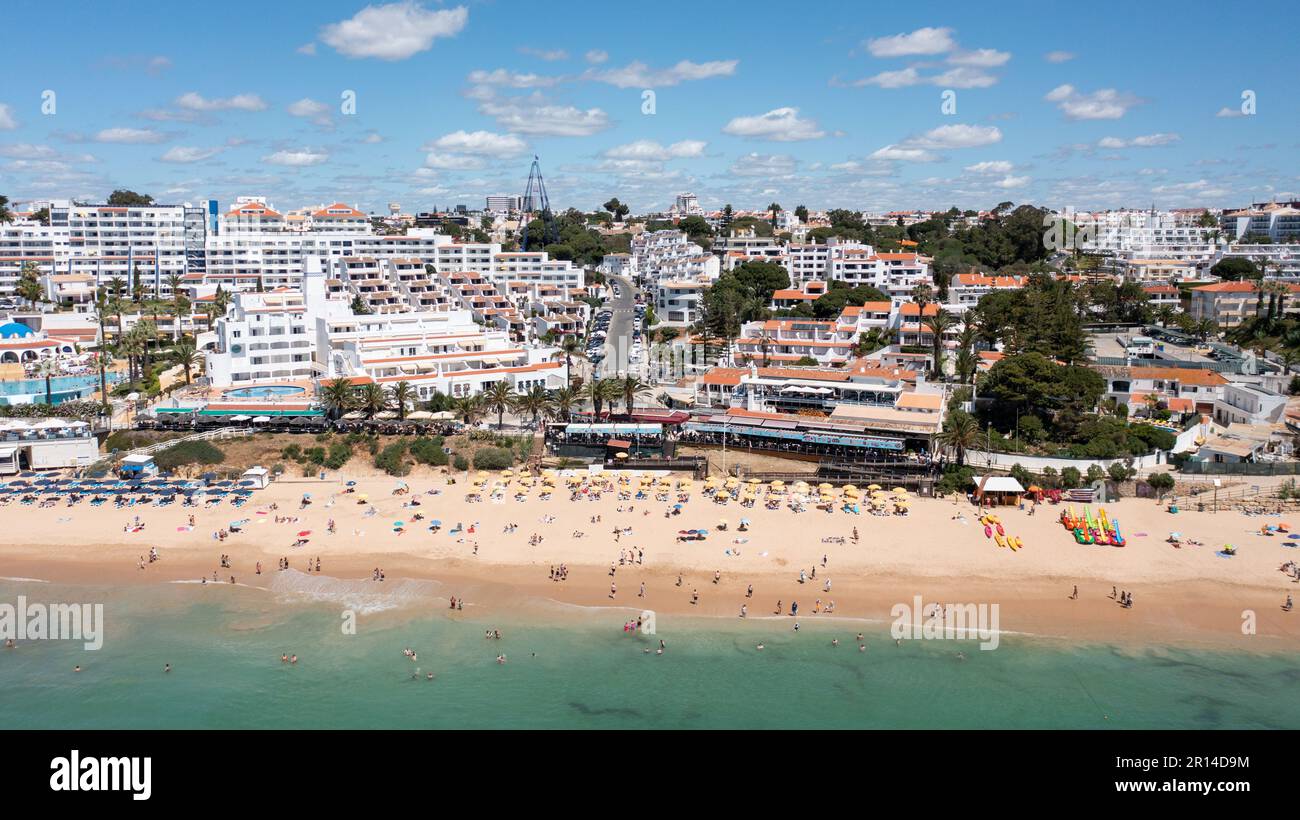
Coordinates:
225 645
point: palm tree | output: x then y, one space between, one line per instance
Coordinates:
1165 315
47 373
499 398
403 394
600 391
536 403
631 387
131 345
570 346
765 346
187 355
937 325
468 409
965 365
563 400
337 396
960 432
1206 328
373 399
104 360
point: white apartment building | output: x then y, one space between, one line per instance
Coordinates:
677 304
966 289
1240 403
1279 222
669 255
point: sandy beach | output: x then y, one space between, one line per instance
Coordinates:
938 551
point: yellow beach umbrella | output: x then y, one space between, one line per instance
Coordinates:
899 490
873 486
755 481
723 494
853 487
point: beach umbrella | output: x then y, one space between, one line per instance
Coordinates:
825 486
899 490
435 523
620 455
755 481
723 494
677 506
351 484
304 533
873 486
399 523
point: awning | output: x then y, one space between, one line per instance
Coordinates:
261 419
618 444
241 418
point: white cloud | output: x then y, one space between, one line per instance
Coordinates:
7 121
511 79
964 77
453 162
479 143
596 56
542 54
779 125
960 77
194 101
1148 141
900 153
980 58
133 136
1223 112
1012 182
534 115
1000 166
902 78
373 138
308 49
1059 56
305 156
651 151
923 41
187 154
26 150
308 108
639 75
394 31
957 136
1102 104
763 165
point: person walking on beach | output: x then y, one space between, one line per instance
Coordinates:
613 590
641 594
1287 606
1075 595
749 593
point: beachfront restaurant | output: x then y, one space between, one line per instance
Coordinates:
602 440
46 444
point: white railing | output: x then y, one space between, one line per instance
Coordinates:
206 435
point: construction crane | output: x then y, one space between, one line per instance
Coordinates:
535 199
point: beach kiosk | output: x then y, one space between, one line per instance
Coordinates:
139 466
260 476
997 490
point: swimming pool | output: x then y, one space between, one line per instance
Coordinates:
265 391
62 388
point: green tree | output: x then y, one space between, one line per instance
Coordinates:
372 399
960 432
338 396
122 198
403 393
499 398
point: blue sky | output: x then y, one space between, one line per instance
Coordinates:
826 104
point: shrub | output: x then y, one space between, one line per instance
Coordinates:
494 458
339 454
189 452
956 479
392 459
1070 478
314 455
460 462
1022 475
1095 473
292 452
1162 483
429 451
1120 471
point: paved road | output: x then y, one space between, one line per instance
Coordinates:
619 341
